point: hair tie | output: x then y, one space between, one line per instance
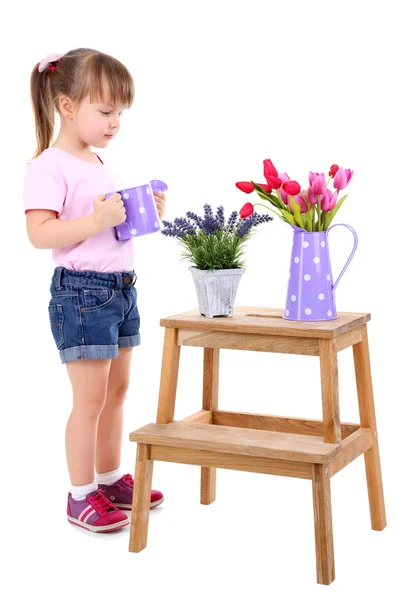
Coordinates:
50 60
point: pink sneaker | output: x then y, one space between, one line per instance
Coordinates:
120 493
95 513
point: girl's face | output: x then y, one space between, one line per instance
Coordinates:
97 123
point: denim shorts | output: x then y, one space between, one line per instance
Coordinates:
93 314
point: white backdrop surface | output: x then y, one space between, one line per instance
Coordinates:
220 87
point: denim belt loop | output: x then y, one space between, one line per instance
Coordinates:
118 283
58 277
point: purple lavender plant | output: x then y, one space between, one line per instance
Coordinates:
209 241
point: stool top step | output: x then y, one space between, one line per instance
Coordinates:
236 440
267 321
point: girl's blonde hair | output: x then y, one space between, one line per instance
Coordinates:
78 73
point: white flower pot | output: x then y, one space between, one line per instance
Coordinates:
216 290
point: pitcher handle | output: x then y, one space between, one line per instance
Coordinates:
352 253
158 186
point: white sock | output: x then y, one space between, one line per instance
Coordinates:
79 492
109 478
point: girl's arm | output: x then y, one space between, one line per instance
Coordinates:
46 231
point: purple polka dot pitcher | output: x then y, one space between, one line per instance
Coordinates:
141 210
311 291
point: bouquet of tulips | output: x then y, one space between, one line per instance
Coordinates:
312 208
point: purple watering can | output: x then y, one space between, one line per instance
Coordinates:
311 291
141 210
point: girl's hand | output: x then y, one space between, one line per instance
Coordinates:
160 202
108 213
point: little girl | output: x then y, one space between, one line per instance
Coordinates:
93 306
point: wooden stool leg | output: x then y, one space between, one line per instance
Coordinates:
367 416
321 487
169 377
330 392
141 499
210 402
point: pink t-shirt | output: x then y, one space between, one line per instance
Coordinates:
57 180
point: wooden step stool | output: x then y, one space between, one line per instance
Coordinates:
292 447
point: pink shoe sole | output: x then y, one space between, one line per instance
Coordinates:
129 507
101 529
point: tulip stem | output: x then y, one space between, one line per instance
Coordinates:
258 204
319 211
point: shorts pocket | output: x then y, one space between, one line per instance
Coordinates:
94 299
56 323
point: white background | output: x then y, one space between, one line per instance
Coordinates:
220 87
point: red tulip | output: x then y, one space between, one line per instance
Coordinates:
266 188
333 170
274 182
269 168
245 186
292 188
246 210
342 178
329 200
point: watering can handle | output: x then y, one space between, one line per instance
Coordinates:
352 253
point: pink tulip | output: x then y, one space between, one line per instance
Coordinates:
312 176
299 200
311 196
269 168
342 178
284 177
317 182
329 200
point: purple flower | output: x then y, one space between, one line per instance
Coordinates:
211 225
232 221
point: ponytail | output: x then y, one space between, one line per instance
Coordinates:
43 108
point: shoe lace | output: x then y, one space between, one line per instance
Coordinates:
100 503
128 479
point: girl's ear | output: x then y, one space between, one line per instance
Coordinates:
67 107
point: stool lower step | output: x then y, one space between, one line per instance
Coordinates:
234 440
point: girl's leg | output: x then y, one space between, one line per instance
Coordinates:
89 379
109 438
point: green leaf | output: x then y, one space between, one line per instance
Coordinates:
308 218
330 215
296 212
265 196
288 217
267 208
